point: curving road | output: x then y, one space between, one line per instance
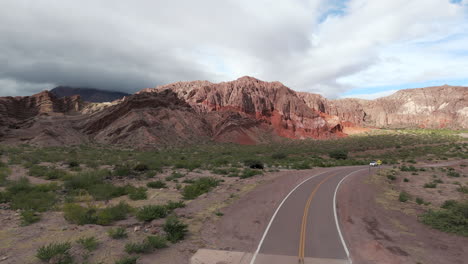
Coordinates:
304 228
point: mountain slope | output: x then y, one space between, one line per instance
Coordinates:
431 107
88 94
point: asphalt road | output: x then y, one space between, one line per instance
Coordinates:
304 228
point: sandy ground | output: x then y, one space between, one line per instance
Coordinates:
380 229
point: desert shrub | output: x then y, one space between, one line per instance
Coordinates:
220 171
409 168
142 247
338 154
279 155
29 217
85 180
88 243
419 200
301 166
174 205
188 181
106 191
449 203
122 170
156 184
391 177
453 174
23 195
404 197
199 187
157 241
430 185
117 233
453 218
463 189
175 175
141 167
175 229
57 251
114 213
127 260
406 180
189 165
137 193
254 164
150 212
438 181
77 214
46 172
247 173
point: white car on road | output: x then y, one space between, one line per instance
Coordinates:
373 164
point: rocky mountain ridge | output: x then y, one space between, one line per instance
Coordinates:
88 94
245 111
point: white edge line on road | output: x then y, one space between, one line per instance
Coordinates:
277 210
336 217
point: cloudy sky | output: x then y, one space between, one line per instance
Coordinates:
339 48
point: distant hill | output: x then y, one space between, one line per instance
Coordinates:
88 94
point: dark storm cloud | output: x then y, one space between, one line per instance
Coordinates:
129 45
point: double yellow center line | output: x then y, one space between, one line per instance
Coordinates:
304 219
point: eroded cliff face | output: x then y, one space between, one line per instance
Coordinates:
431 107
270 103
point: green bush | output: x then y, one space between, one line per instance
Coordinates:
88 243
175 229
391 177
73 164
114 213
150 212
156 184
430 185
279 155
29 217
106 191
410 168
174 176
453 174
143 247
199 187
404 197
247 173
419 201
157 241
127 260
49 173
117 233
85 180
463 189
77 214
141 167
301 166
452 219
25 196
137 193
338 154
57 251
174 205
406 180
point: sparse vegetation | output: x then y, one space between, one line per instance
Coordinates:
29 217
157 241
404 197
156 184
430 185
452 218
175 229
151 212
81 215
57 251
127 260
199 187
88 243
338 154
141 247
117 233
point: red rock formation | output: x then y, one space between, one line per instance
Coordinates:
272 103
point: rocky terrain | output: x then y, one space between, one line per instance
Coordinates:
88 94
245 111
431 107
